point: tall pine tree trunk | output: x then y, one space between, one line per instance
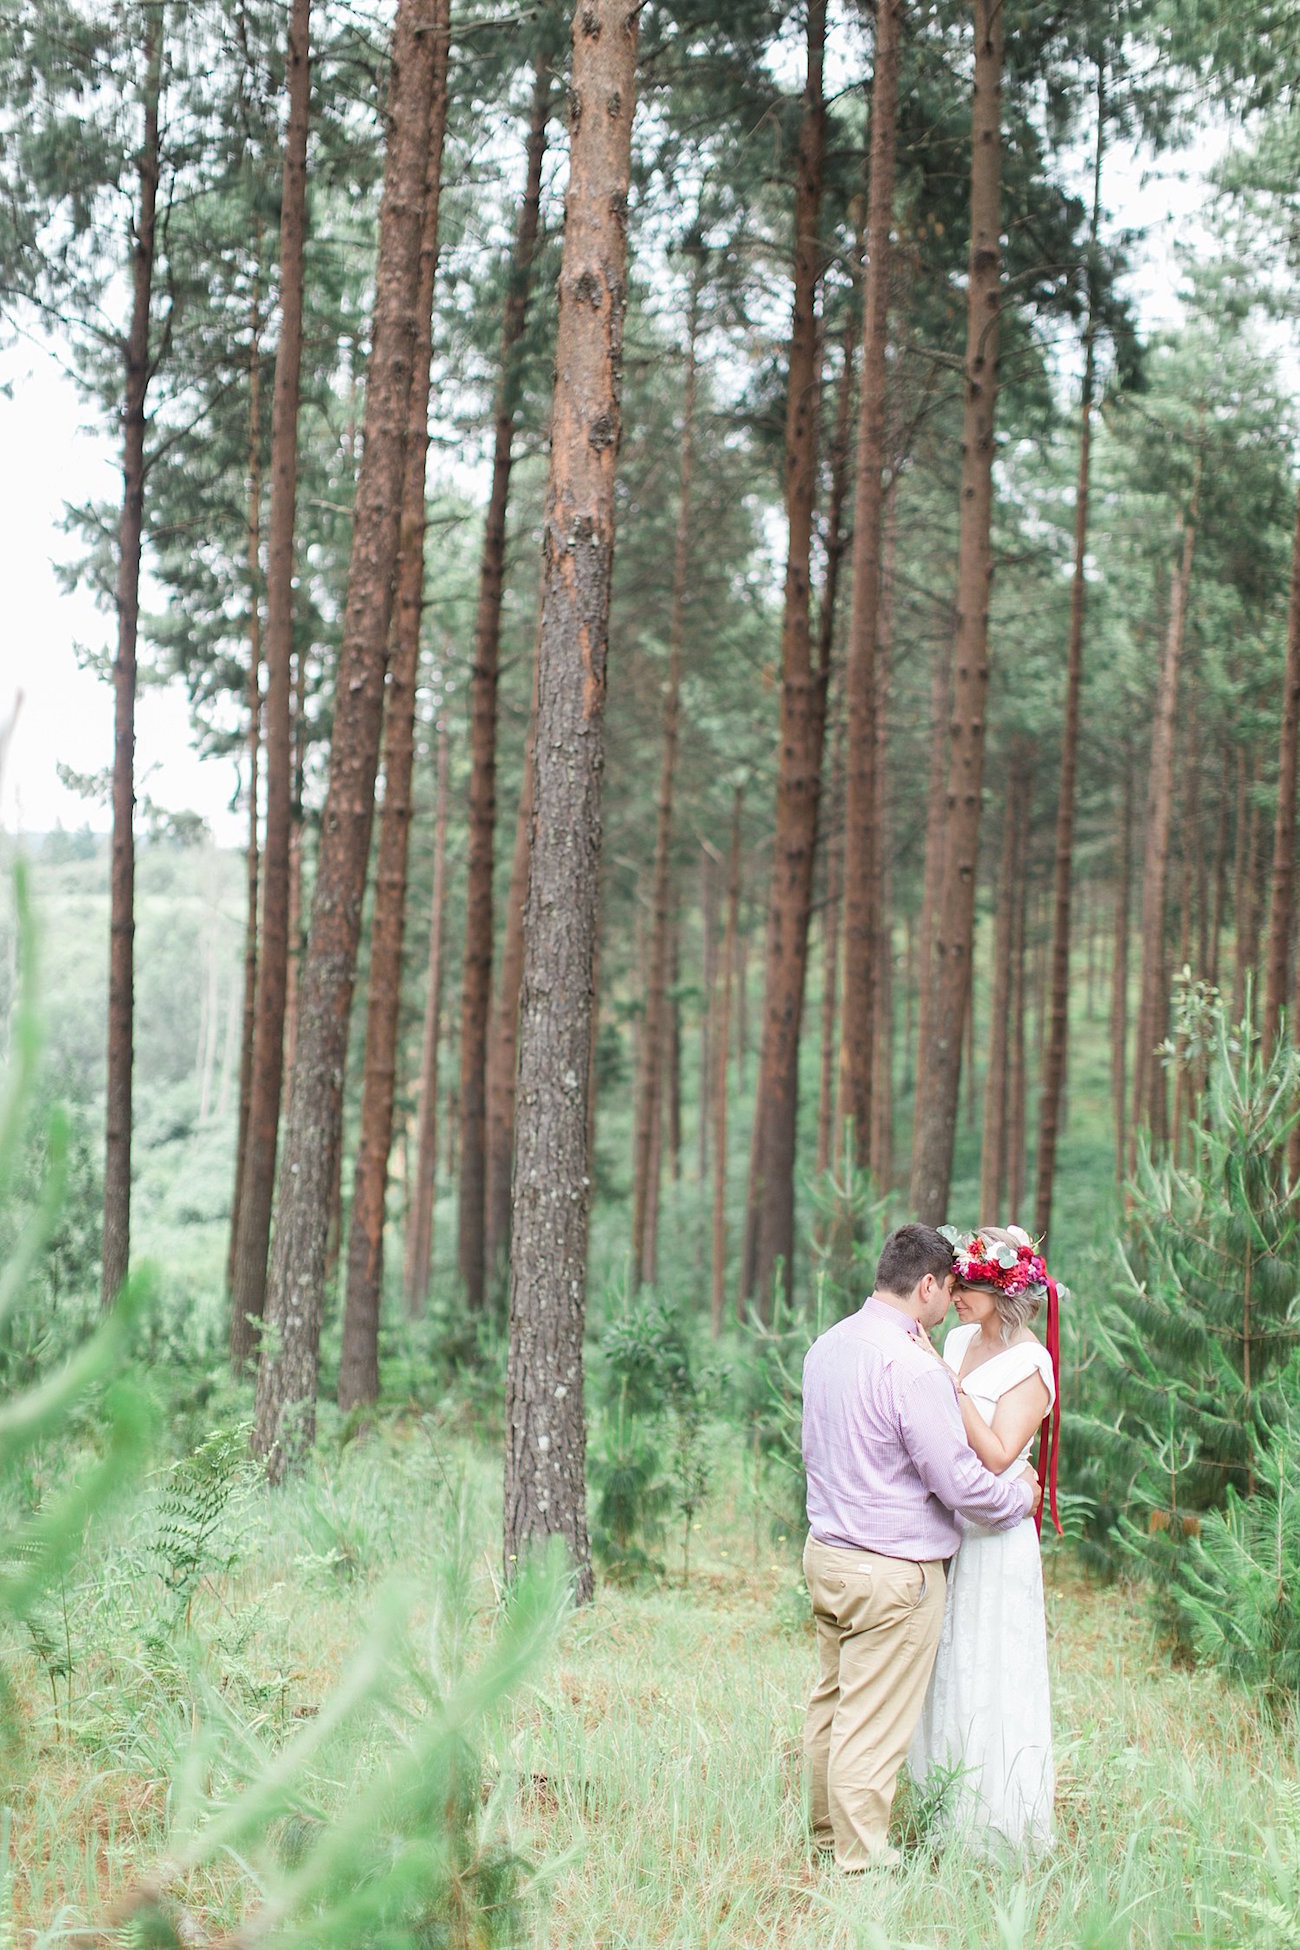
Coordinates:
674 1056
1282 910
287 1374
545 1493
645 1164
718 1297
882 1035
770 1216
1119 984
833 825
939 1076
936 829
297 837
830 830
503 1046
993 1142
419 1228
252 853
1017 1079
1058 1034
1248 903
1151 1005
708 1026
116 1253
257 1184
861 884
359 1359
476 991
650 1249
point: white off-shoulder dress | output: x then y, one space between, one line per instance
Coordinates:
987 1719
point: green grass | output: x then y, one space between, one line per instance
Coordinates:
652 1772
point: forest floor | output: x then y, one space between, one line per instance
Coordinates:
650 1770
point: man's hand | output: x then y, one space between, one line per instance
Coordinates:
1030 1476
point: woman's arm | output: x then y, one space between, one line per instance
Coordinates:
1017 1415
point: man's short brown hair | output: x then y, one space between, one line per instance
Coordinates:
908 1255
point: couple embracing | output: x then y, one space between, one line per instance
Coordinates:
922 1561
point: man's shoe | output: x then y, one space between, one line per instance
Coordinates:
887 1860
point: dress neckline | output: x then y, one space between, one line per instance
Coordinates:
973 1327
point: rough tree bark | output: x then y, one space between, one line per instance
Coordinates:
1151 1002
1282 907
1049 1105
769 1228
476 990
116 1250
296 841
718 1295
419 1230
257 1181
936 1118
861 886
645 1161
253 852
359 1356
545 1492
286 1381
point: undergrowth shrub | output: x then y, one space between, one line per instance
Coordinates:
373 1824
1236 1586
649 1456
1182 1365
199 1494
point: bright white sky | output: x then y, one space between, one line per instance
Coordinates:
56 455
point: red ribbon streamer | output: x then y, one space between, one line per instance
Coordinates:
1049 1438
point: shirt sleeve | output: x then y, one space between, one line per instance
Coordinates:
931 1427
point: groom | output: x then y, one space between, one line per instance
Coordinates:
889 1472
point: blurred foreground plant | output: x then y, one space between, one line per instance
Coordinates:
37 1546
416 1856
412 1853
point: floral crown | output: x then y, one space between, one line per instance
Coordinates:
978 1261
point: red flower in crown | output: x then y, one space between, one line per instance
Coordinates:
1009 1269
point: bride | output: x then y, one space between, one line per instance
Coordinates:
986 1723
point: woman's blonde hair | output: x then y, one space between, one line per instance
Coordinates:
1015 1310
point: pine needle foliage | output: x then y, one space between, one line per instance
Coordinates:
1237 1584
650 1456
1186 1357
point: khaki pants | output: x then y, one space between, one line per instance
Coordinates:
878 1623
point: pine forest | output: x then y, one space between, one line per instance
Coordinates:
743 565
